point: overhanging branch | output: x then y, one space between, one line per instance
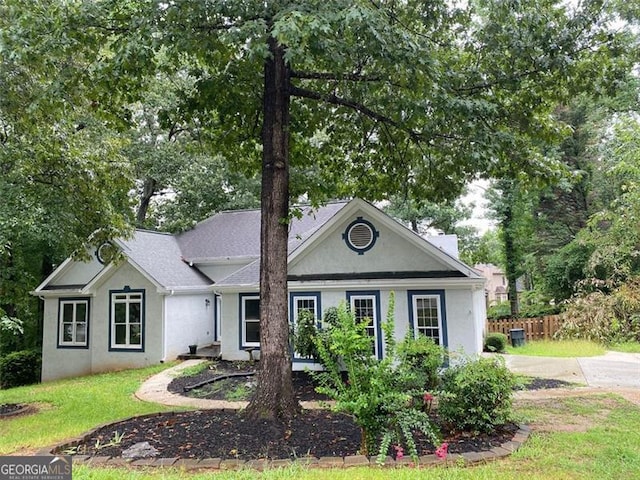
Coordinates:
352 77
333 99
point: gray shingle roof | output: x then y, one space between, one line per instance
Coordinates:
237 233
167 258
159 255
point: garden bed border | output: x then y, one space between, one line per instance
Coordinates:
467 458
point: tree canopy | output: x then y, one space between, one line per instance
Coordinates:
342 97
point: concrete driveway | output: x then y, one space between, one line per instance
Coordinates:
612 370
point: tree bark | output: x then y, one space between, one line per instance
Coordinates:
511 257
274 397
148 190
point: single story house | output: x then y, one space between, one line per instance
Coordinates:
202 287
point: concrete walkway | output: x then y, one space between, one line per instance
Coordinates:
613 372
614 369
154 390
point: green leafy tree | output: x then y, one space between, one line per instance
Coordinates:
358 97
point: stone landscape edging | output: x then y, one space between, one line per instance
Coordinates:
468 458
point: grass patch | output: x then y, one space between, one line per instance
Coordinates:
585 437
194 370
626 347
558 348
67 408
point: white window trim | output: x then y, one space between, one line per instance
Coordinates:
75 302
128 301
414 306
374 320
244 320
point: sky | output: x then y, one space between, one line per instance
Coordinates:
475 195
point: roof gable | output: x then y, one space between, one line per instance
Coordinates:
397 249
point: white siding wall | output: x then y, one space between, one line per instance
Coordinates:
191 323
464 321
64 362
60 363
391 252
79 273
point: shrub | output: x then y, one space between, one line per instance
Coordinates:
422 356
495 342
604 318
20 368
378 393
476 395
501 310
305 334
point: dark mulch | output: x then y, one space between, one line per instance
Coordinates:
10 408
220 390
228 435
302 383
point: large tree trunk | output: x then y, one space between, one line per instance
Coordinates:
511 256
274 397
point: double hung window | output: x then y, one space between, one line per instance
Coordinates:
73 323
127 320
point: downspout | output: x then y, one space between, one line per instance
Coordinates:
164 326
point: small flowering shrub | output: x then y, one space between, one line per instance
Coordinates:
378 393
476 395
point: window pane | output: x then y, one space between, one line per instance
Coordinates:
120 312
136 335
308 304
81 312
251 309
252 332
67 335
67 312
121 334
134 313
81 333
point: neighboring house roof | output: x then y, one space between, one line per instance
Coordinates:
237 233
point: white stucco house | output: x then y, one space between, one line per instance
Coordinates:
201 287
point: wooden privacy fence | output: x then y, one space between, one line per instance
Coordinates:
541 328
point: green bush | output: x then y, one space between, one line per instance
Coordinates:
501 310
20 368
305 334
379 393
422 356
495 342
476 395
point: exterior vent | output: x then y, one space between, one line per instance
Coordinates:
360 236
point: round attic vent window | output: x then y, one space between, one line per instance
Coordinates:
360 235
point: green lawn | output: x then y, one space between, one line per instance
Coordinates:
601 439
564 348
68 408
570 348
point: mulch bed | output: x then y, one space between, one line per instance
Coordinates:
229 435
8 410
